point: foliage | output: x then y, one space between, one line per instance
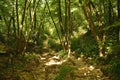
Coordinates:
54 45
62 54
26 24
85 45
30 57
114 25
112 70
112 64
64 71
5 7
2 38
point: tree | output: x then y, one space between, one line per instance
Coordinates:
28 20
118 5
96 13
65 27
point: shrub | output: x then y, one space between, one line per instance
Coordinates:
65 71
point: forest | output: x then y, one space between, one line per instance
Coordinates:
59 39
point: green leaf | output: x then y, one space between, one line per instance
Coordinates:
115 24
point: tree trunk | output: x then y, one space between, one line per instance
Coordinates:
109 12
17 17
69 30
61 25
13 19
32 16
8 24
118 1
88 15
53 22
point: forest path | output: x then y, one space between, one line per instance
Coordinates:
48 67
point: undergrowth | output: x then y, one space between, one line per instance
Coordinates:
65 72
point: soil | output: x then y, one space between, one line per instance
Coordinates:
47 66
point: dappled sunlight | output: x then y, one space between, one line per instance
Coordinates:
53 62
91 68
80 32
42 58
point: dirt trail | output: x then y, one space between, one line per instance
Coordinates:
49 64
